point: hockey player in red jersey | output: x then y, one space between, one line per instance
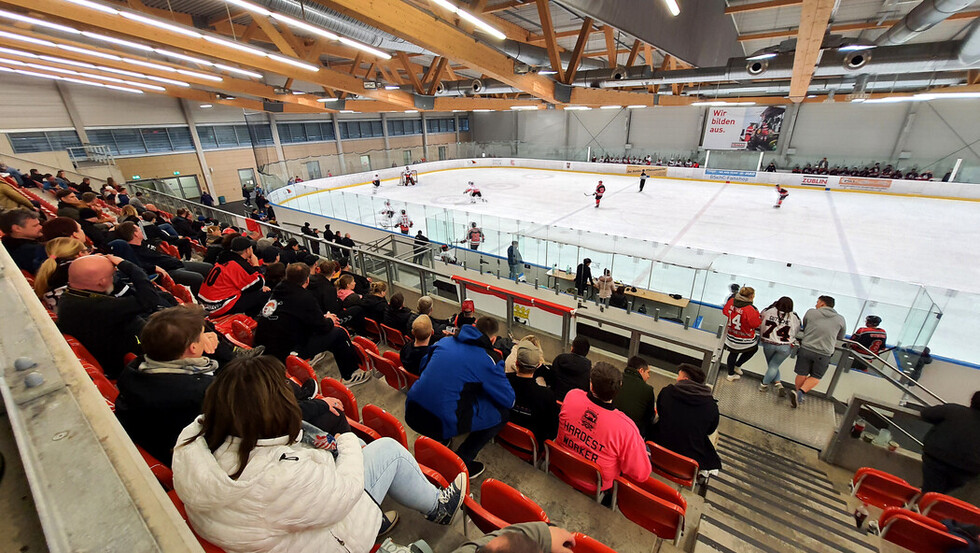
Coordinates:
474 193
474 236
404 223
409 179
872 339
782 195
600 189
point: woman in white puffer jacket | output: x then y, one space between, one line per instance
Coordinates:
252 481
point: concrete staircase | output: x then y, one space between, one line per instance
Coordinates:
766 501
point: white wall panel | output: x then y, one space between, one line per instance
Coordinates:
845 130
30 103
100 107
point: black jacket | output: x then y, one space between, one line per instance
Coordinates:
325 293
361 284
688 415
411 356
955 437
289 326
636 399
185 227
583 276
151 257
397 319
569 371
374 307
108 326
96 232
534 408
27 254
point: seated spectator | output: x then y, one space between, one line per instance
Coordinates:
948 462
235 465
269 255
535 407
128 213
186 226
414 352
51 279
322 286
466 316
129 245
424 307
14 173
10 198
291 252
345 291
591 427
62 227
84 186
461 390
122 198
618 298
21 230
235 284
362 284
636 399
570 371
292 321
374 303
687 417
274 274
510 363
63 179
96 231
526 537
105 323
33 179
396 314
68 204
137 202
50 184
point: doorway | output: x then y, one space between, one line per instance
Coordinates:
442 153
366 163
247 177
313 170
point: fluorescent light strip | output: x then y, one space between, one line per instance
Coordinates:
70 79
524 108
184 57
364 48
479 23
292 22
38 22
298 63
326 99
167 81
24 38
482 110
672 7
410 111
122 72
13 62
206 106
763 56
18 52
577 108
236 45
67 61
119 41
150 65
231 69
88 75
180 29
94 6
637 106
202 76
86 51
610 107
250 6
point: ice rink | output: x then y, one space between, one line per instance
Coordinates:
863 237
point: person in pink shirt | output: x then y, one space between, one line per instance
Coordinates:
590 426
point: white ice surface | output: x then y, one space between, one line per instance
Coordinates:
906 239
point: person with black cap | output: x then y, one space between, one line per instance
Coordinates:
313 233
235 284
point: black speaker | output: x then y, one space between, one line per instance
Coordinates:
274 107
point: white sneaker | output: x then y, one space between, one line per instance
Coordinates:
359 377
738 371
763 387
733 377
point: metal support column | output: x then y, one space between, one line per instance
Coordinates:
510 313
277 143
185 107
566 330
340 145
76 120
634 349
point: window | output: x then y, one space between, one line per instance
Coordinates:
360 129
226 136
440 125
43 141
141 141
247 177
312 170
403 127
464 123
233 136
156 140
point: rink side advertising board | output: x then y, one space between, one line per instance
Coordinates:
729 175
743 128
864 183
814 181
651 171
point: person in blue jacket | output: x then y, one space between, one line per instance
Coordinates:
463 389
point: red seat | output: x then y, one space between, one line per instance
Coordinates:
28 276
299 371
652 505
242 332
385 423
223 323
235 342
172 251
520 441
883 490
501 505
371 327
331 387
180 292
388 369
577 472
104 385
163 473
363 432
205 544
368 345
439 463
938 506
585 544
394 357
363 361
408 378
673 466
394 338
917 533
81 352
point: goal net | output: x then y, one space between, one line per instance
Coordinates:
415 178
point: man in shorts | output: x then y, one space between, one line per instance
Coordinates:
821 330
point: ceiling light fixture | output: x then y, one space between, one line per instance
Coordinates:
610 107
326 99
95 6
524 108
637 106
482 110
206 106
547 72
38 22
118 41
202 76
855 47
762 56
179 29
577 108
391 87
231 69
672 7
476 21
69 79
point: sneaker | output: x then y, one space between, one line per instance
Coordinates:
249 353
359 377
738 371
794 399
801 397
317 358
733 377
763 387
475 468
388 521
450 501
780 391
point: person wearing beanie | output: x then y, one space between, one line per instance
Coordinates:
741 340
270 255
534 407
235 284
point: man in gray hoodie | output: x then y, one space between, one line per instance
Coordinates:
822 328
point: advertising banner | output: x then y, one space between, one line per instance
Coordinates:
860 183
814 181
729 175
651 171
737 128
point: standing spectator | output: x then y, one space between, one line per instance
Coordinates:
21 230
822 164
349 242
247 194
514 260
12 199
950 456
740 336
771 168
636 399
570 371
606 287
420 248
821 330
583 277
780 325
591 427
534 407
687 417
924 359
413 352
872 339
235 284
314 234
240 467
461 390
207 199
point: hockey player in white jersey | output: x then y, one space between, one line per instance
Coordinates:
474 193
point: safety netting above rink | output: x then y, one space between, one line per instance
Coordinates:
701 275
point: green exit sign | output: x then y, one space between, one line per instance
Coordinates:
136 177
176 173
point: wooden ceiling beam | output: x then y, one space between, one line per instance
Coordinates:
412 77
533 39
814 19
434 82
847 27
270 30
583 38
756 6
611 53
504 6
548 29
635 51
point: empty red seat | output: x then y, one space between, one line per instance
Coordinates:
384 423
368 345
163 473
917 533
106 388
299 371
394 338
882 490
673 466
652 505
242 332
363 432
520 441
501 505
331 387
585 544
572 469
439 463
223 323
388 370
363 361
938 506
371 327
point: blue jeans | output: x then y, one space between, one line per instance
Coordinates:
775 355
390 469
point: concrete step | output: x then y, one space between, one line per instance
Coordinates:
782 460
742 464
752 532
715 537
785 498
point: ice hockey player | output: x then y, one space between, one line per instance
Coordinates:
404 223
474 193
409 180
872 338
643 179
446 256
782 195
377 183
388 212
600 189
474 236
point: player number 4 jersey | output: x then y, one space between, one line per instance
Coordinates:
742 324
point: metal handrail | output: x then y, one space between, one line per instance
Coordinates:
856 346
894 424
